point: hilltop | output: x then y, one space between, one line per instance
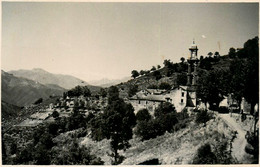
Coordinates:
173 74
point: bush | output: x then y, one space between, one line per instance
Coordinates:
202 117
55 114
165 85
165 119
149 129
38 101
223 109
205 155
152 86
143 115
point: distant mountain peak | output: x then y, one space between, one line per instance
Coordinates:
44 77
39 70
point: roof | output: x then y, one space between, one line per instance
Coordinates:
193 46
156 91
180 86
149 98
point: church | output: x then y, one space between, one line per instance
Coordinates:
180 96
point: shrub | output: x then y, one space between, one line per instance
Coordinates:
38 101
152 86
165 119
55 114
165 85
223 109
205 155
202 117
149 129
143 115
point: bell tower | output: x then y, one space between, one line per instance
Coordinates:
192 75
192 64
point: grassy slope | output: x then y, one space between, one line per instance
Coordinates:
170 148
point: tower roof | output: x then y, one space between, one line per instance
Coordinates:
193 46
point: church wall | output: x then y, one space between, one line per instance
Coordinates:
178 97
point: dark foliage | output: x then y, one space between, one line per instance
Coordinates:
152 86
202 117
132 90
181 79
157 75
38 101
115 123
165 85
135 73
79 90
103 92
165 119
205 156
143 115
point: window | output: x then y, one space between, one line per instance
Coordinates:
182 94
181 100
139 101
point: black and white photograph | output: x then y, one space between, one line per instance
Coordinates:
129 83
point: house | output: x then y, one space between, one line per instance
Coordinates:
150 99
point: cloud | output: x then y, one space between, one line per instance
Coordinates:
203 36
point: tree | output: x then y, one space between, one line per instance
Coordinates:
38 101
113 94
211 87
181 79
153 68
103 92
167 63
119 120
182 60
210 54
237 79
143 115
216 54
165 114
232 52
55 114
157 75
202 117
158 67
85 91
165 85
132 90
142 72
205 155
135 74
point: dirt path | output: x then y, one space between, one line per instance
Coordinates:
238 150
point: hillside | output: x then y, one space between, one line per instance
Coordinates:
44 77
9 111
169 149
21 91
173 74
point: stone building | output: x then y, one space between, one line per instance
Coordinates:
181 96
152 98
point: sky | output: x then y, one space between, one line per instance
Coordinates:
91 40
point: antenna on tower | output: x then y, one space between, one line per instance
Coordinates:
193 41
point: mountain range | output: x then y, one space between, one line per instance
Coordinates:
105 82
23 87
44 77
21 91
